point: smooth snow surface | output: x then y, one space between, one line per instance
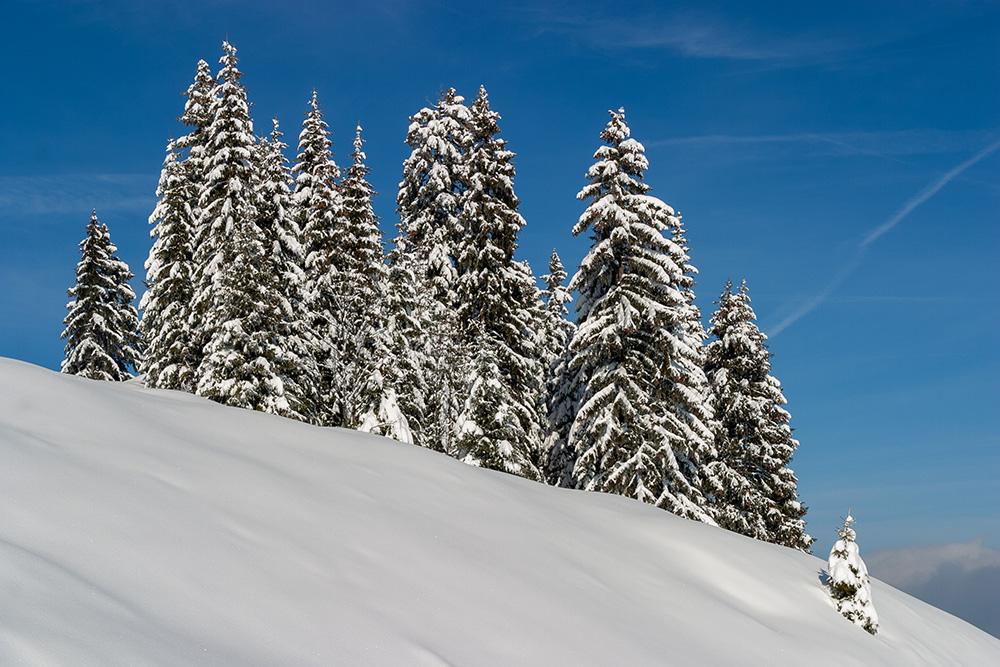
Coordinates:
142 527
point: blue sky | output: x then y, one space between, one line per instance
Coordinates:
842 159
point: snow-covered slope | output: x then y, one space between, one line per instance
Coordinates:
143 527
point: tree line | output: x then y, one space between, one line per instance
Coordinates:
268 287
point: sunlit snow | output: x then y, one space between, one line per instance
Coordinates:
142 527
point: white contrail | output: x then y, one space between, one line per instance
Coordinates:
894 220
928 192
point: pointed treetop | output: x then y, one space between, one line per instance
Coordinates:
229 60
557 273
315 131
358 155
847 533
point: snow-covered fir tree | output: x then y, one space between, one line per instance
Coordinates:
275 210
238 307
319 215
557 328
638 429
227 196
429 230
363 251
361 347
684 387
284 260
193 146
848 580
404 337
102 327
559 404
498 302
170 353
247 363
434 179
490 431
758 497
173 349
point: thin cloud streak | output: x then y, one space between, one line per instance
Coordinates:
928 192
72 193
902 299
820 297
693 34
881 144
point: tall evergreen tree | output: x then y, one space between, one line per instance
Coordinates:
284 260
498 304
405 339
559 406
758 497
634 432
239 308
558 329
848 580
227 199
170 357
363 252
173 348
433 181
684 389
430 227
275 211
194 148
319 215
102 339
361 346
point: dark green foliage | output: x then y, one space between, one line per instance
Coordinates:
757 495
102 339
170 357
642 427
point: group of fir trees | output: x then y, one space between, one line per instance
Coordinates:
258 269
638 403
268 288
467 314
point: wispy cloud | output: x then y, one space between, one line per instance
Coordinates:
926 194
71 193
690 33
702 38
961 578
933 188
881 144
902 299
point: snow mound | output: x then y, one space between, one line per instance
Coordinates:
142 527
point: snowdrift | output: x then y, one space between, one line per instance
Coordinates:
142 527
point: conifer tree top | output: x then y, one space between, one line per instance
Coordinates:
102 339
847 533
